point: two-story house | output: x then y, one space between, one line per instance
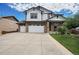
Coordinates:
40 19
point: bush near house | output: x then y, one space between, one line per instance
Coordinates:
62 30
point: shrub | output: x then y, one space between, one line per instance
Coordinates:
62 30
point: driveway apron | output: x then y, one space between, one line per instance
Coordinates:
30 44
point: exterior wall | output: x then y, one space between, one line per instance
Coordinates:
26 26
40 16
8 25
45 27
44 15
0 32
35 11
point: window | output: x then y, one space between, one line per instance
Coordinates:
33 15
55 28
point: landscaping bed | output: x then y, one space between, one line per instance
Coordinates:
71 42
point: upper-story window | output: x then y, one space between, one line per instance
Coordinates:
33 15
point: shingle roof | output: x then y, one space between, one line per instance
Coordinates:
38 7
10 17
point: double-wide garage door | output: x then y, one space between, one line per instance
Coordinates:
32 29
35 28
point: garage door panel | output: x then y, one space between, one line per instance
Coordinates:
22 29
36 28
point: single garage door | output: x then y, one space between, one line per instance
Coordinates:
22 29
36 28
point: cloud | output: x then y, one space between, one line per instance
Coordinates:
21 6
73 7
59 6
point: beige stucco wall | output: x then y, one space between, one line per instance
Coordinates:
0 32
8 25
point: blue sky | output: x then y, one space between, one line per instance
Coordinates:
5 10
16 9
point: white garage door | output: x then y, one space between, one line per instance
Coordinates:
36 28
22 29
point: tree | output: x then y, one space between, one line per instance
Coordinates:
72 22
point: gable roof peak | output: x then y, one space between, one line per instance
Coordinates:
39 8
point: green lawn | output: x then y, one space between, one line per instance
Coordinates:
70 42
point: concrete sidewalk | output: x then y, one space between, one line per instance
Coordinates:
30 44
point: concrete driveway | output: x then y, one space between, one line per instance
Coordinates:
30 44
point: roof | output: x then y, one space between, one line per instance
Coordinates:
57 15
43 8
39 8
10 17
21 23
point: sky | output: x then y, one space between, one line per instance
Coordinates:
6 10
16 9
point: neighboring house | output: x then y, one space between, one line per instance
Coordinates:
40 19
8 24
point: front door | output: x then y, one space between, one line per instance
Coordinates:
49 26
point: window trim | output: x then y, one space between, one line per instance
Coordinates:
33 15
